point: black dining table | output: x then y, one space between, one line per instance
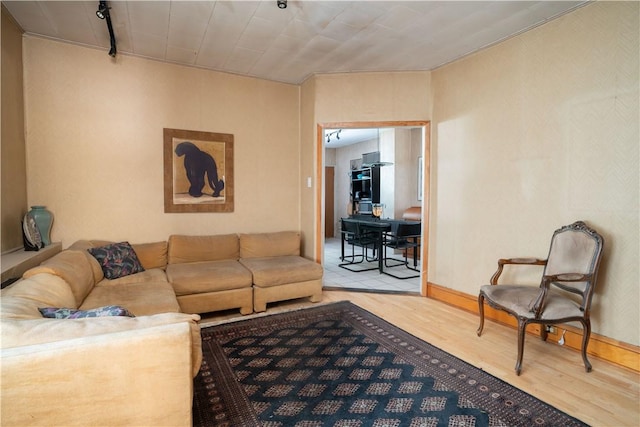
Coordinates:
379 226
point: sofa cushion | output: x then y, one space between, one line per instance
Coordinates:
17 333
184 249
83 246
19 307
73 267
153 275
274 271
200 277
22 299
256 245
117 260
72 313
142 298
151 255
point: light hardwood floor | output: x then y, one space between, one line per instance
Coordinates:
607 396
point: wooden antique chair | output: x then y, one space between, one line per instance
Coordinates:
565 291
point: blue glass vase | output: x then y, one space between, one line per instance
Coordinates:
44 220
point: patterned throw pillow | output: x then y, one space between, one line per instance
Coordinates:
117 260
72 313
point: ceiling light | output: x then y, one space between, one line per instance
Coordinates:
282 4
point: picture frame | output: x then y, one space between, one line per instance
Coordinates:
198 171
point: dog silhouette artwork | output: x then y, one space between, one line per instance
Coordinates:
197 164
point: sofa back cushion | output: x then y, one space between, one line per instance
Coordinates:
83 246
23 299
72 266
203 248
257 245
152 255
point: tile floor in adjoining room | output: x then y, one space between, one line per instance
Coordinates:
338 277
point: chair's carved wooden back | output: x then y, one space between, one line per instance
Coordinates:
575 249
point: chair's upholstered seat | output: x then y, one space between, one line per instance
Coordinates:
521 299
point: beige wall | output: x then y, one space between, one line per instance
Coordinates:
408 148
387 148
372 97
535 133
307 164
14 185
94 143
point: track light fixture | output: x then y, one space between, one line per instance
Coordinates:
282 4
103 10
103 13
335 133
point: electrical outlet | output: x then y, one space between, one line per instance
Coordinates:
551 329
561 340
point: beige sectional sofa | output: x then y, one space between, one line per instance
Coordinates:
134 370
100 370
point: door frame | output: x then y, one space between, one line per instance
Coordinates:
329 207
426 172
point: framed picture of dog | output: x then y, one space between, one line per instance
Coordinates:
198 171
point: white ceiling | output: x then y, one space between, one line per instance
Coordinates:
348 136
256 38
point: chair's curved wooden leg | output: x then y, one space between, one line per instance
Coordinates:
522 326
586 323
481 310
543 332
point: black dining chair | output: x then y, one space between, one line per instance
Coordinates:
403 236
354 235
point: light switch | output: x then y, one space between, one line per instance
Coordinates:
308 182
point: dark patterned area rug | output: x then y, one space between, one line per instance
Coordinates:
339 365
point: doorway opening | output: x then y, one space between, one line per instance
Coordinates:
402 149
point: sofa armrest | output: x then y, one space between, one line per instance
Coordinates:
135 377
